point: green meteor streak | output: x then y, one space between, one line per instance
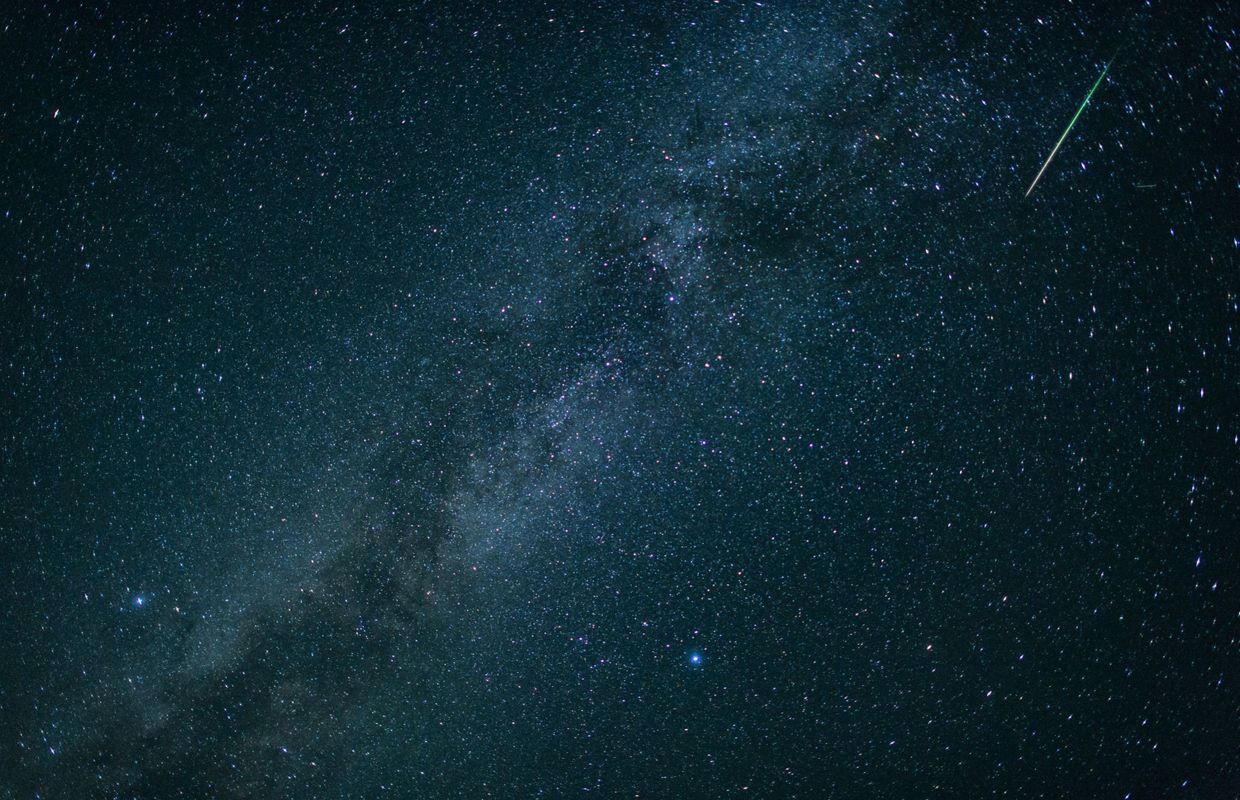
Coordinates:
1068 130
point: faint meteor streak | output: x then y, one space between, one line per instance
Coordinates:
1068 129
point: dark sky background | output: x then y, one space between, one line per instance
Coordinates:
619 399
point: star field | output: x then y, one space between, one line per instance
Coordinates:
641 400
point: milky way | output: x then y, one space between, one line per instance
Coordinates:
533 400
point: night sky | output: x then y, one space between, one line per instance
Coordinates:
619 399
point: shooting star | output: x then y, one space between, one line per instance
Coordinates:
1068 130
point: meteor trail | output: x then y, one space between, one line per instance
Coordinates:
1068 129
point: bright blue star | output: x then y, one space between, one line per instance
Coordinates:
695 659
139 601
